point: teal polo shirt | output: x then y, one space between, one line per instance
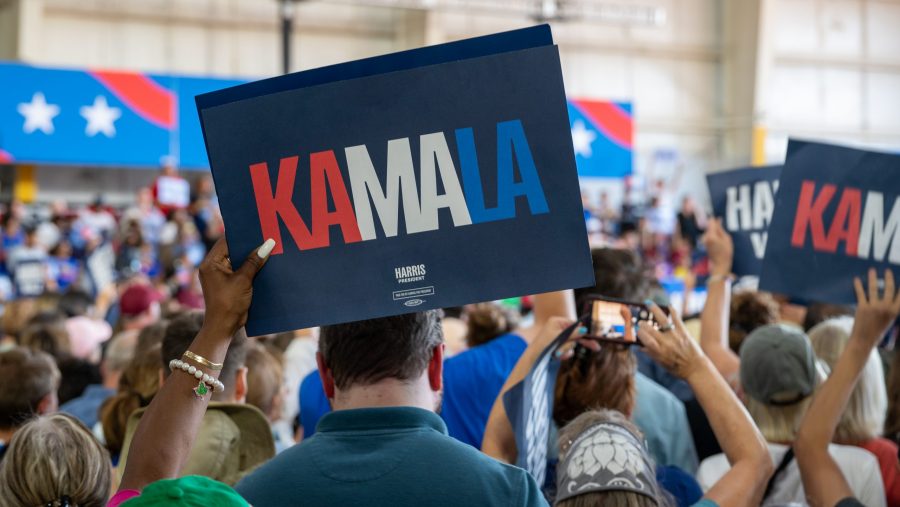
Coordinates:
394 456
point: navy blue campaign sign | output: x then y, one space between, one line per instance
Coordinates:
423 187
837 214
529 407
744 199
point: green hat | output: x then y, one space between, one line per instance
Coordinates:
778 365
190 491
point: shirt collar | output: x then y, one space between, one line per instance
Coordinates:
381 418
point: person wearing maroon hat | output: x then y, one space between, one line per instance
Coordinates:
139 307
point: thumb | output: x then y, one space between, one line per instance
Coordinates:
257 259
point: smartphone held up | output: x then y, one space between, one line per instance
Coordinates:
615 321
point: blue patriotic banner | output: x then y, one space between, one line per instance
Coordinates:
602 135
101 117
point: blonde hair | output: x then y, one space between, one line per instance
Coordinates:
863 419
53 457
264 379
779 423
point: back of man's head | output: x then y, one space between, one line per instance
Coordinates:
27 377
619 274
368 351
182 330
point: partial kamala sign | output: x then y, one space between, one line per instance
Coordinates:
837 214
429 178
744 199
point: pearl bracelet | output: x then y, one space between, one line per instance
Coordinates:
205 380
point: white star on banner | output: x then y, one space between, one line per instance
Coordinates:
38 114
100 118
582 139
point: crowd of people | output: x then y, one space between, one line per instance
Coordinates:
126 378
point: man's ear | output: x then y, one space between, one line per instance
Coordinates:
49 404
240 385
326 376
436 368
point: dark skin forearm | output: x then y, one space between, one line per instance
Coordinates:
167 430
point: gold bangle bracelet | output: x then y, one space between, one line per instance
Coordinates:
202 361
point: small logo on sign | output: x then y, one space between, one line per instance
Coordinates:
414 302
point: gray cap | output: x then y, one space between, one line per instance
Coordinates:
778 365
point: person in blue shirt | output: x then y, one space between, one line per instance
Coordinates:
63 266
472 381
313 403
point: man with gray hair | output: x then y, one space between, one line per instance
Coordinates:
29 380
118 354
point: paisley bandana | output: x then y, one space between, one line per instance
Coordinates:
606 457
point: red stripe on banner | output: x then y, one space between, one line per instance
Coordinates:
615 123
5 157
144 96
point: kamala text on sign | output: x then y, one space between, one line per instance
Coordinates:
420 205
858 229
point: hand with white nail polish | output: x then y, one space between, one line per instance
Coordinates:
228 292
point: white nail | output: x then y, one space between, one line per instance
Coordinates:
266 248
